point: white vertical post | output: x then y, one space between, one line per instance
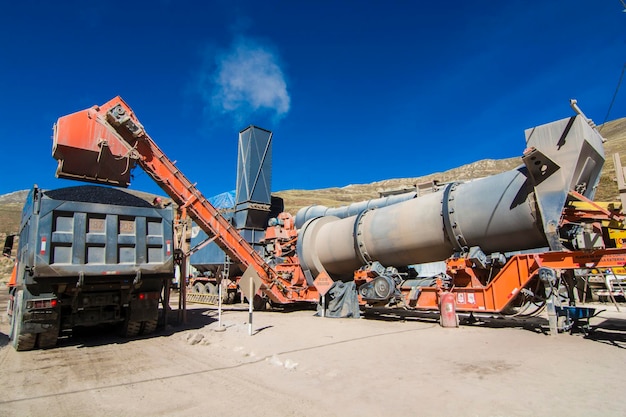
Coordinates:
324 305
250 301
219 305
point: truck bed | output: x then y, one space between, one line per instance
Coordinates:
96 231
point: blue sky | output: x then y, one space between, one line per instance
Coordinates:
354 91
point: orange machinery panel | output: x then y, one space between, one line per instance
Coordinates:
514 276
87 150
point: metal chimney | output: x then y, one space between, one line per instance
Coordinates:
254 182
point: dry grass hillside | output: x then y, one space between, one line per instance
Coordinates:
614 132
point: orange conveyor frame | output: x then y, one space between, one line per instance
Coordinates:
102 144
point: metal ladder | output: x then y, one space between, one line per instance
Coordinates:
194 297
226 269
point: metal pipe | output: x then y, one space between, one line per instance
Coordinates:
573 104
307 213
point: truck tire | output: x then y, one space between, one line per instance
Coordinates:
26 341
47 340
149 326
259 303
210 288
199 288
224 295
130 328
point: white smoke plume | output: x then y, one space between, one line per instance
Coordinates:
247 79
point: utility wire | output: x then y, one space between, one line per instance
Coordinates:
619 83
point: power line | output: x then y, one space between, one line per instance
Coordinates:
619 83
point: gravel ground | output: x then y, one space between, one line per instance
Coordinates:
296 364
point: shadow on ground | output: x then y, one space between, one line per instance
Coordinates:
610 331
108 334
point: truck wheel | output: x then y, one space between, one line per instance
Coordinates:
149 326
224 295
21 342
130 328
48 339
230 297
210 288
259 303
25 341
199 288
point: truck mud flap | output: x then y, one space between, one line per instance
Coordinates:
144 310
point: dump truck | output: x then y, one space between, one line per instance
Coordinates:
86 256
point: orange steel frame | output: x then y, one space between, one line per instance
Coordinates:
93 127
473 296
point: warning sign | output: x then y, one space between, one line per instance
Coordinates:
323 283
471 299
249 283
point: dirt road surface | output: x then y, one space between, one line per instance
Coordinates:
296 364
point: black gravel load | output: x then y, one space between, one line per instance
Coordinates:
95 194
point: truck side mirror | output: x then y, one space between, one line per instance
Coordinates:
8 246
